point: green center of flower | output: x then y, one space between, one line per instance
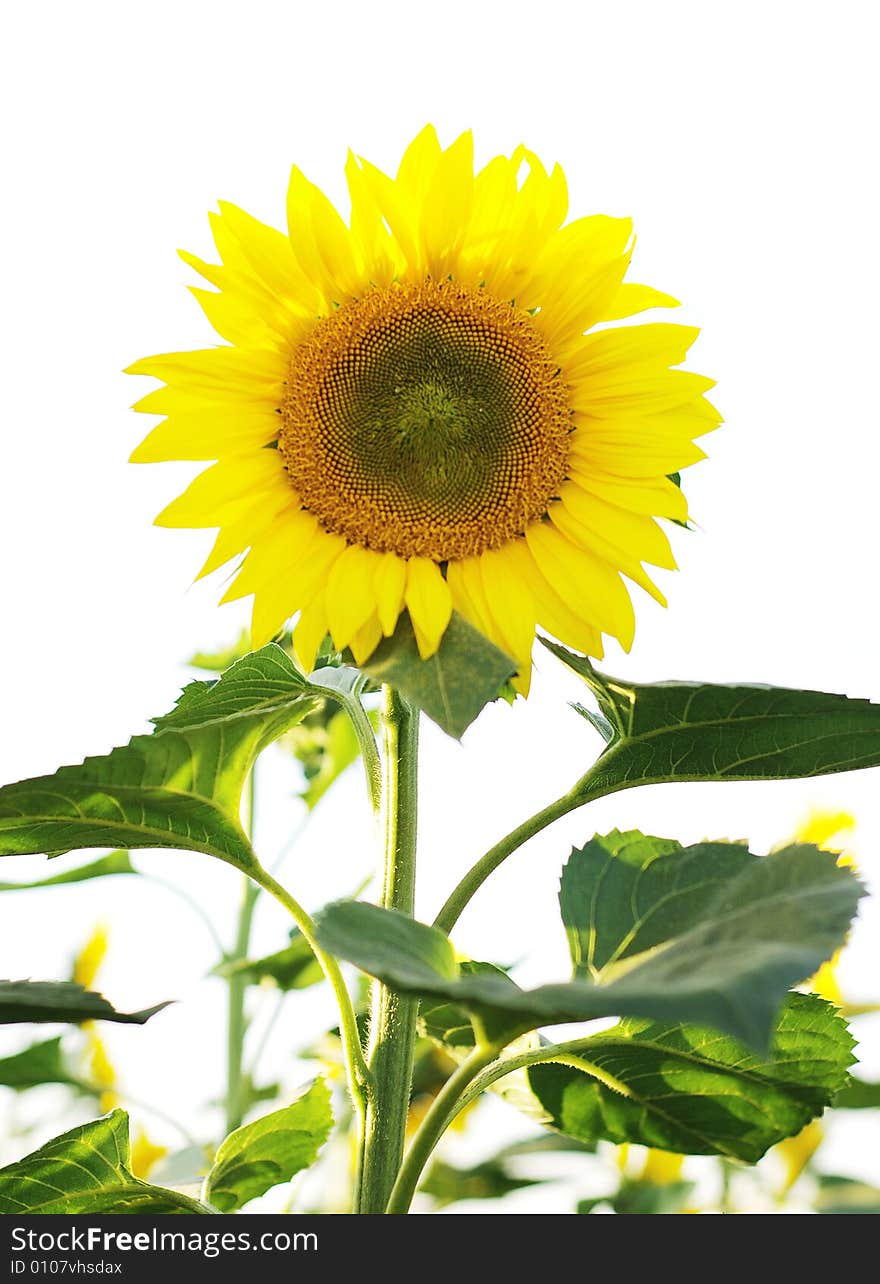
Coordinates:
425 420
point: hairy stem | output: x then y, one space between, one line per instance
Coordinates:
441 1114
393 1016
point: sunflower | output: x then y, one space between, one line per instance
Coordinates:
426 410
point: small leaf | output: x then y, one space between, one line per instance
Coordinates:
455 684
114 863
338 750
492 1179
674 731
691 1090
858 1095
846 1195
87 1170
39 1063
177 788
723 958
36 1001
643 1197
293 968
271 1150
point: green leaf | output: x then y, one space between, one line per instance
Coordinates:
61 1001
728 955
339 748
668 731
293 968
179 787
271 1150
492 1179
39 1063
643 1197
114 863
87 1170
846 1195
691 1090
858 1095
455 684
218 661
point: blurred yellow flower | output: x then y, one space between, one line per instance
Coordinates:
88 961
145 1154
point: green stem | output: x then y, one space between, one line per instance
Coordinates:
358 1072
236 1026
393 1016
366 739
477 875
443 1110
563 1053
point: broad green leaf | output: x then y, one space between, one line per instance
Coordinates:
724 960
691 1090
293 968
269 1151
858 1094
179 787
36 1001
455 684
668 731
39 1063
87 1170
113 863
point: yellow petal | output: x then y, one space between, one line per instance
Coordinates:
389 586
621 559
554 614
321 241
635 533
365 641
513 608
661 344
208 434
226 485
310 631
592 587
351 599
657 498
631 299
429 602
469 598
447 206
294 551
244 529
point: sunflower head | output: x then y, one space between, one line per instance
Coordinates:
426 409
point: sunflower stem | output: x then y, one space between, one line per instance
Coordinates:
392 1016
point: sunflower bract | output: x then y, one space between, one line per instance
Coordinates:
425 410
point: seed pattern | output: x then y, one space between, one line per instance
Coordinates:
426 420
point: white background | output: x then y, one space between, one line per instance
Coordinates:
741 138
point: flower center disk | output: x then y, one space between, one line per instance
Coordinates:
425 420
